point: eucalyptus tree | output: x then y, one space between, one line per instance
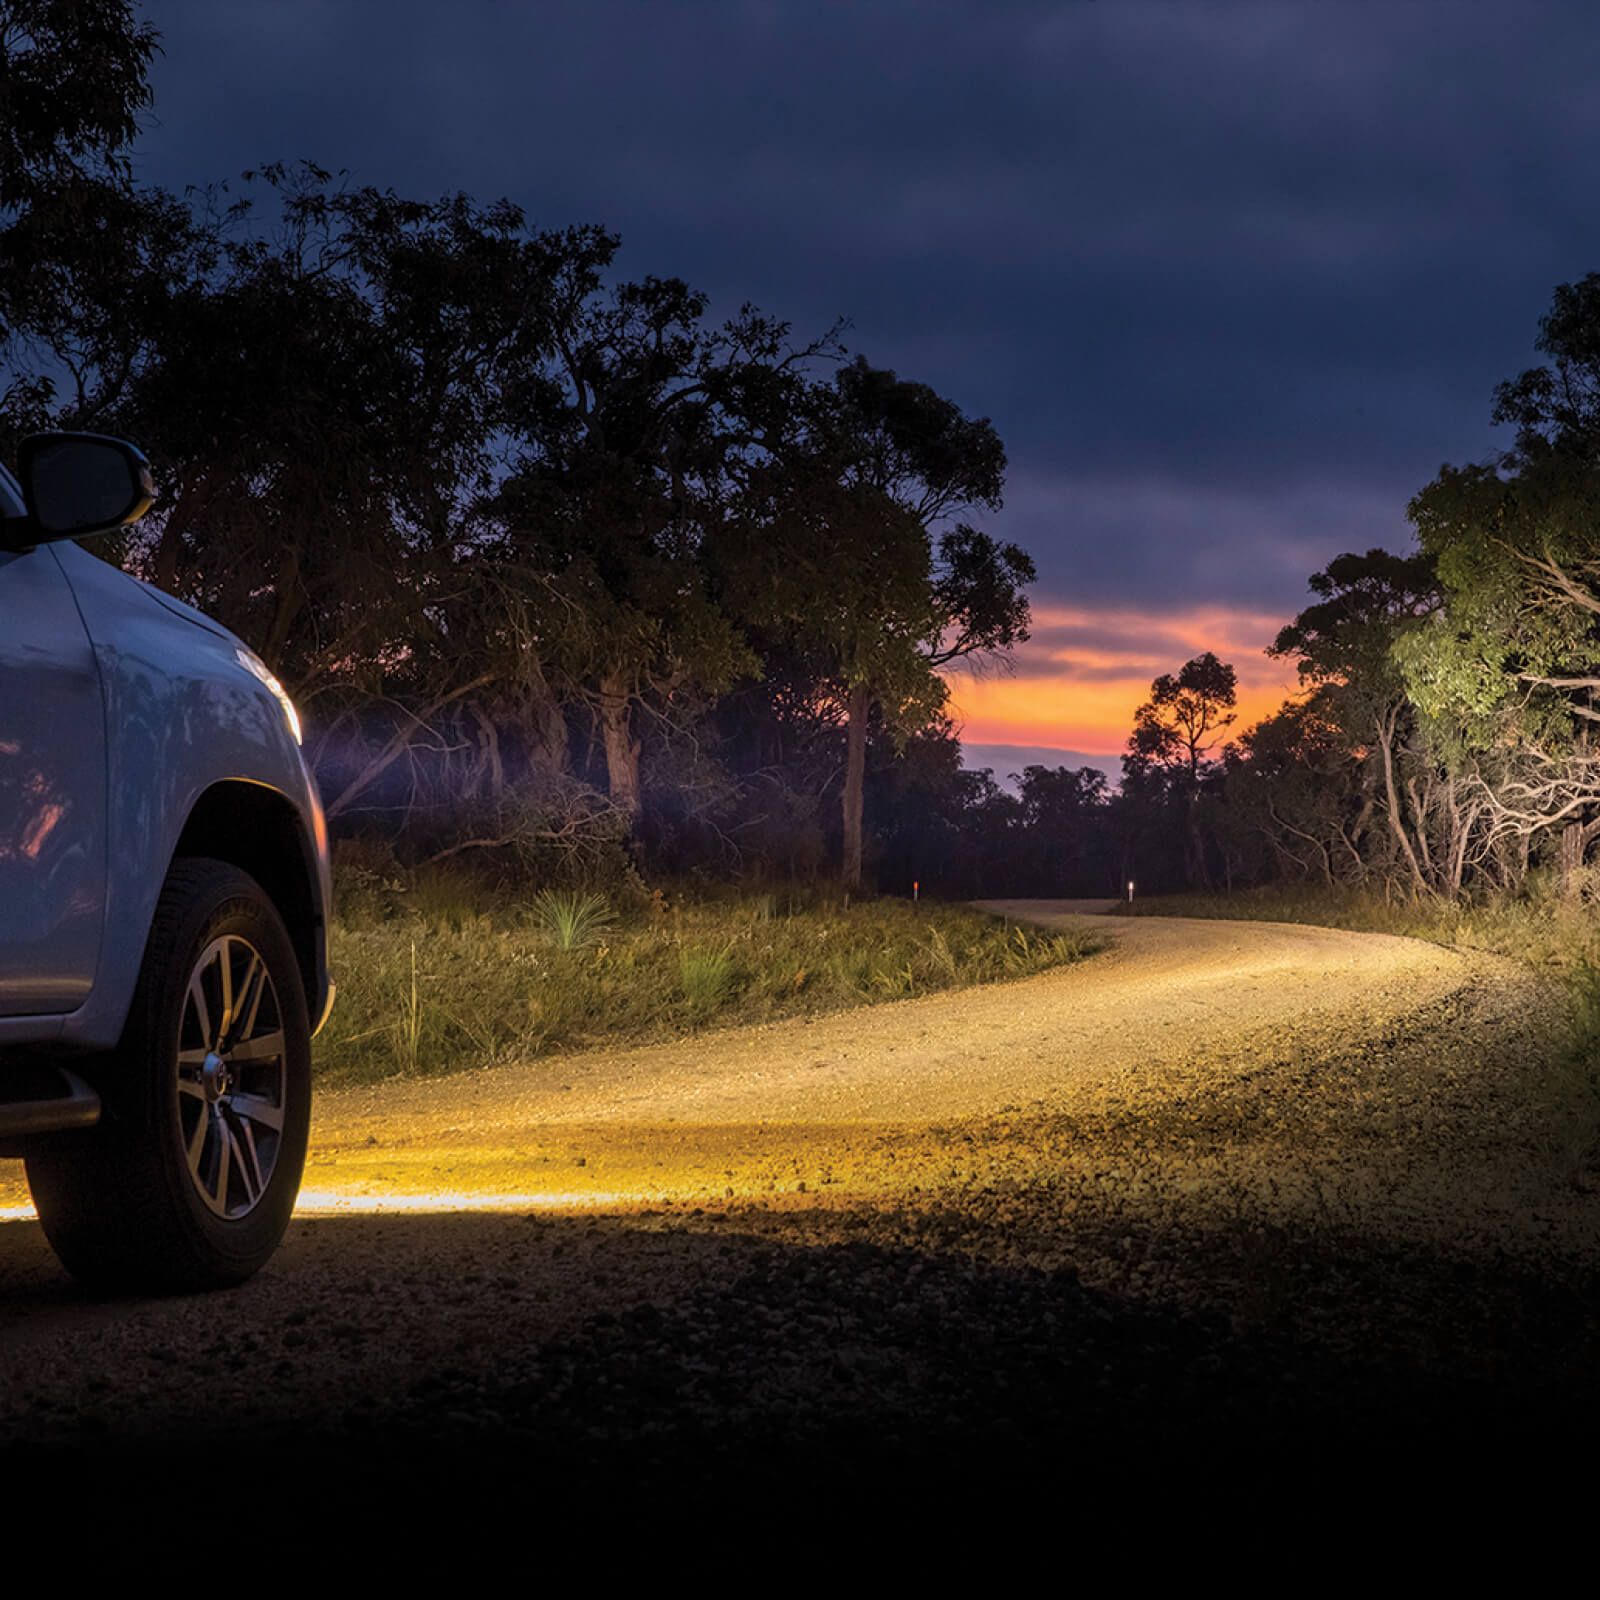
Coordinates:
1170 751
1184 719
1555 407
1343 646
1509 671
872 573
90 290
328 408
618 507
1295 800
74 79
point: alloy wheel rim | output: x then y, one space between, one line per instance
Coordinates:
232 1077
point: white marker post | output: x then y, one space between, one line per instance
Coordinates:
1130 891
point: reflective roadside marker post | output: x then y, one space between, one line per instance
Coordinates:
916 891
1130 891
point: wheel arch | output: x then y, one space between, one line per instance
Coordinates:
257 829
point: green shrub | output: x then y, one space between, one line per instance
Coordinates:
574 921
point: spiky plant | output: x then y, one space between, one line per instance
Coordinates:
573 921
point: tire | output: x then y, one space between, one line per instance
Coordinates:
189 1179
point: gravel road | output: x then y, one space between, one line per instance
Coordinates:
1223 1186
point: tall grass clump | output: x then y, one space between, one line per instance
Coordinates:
707 978
408 1025
573 921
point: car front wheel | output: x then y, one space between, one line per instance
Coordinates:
189 1179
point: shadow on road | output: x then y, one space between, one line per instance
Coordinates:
496 1357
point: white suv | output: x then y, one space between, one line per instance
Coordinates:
163 900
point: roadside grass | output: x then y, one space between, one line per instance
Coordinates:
1558 933
440 973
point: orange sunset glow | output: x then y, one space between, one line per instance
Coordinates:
1084 672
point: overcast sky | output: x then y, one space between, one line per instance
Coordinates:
1232 277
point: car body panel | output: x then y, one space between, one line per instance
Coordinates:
182 714
52 791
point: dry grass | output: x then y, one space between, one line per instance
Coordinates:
439 974
1557 933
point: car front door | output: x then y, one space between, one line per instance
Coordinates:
52 791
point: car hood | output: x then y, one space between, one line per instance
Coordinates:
181 608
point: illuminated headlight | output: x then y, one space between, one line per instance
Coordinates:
253 664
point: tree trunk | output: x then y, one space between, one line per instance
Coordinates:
547 722
1195 868
1462 821
491 767
622 749
1421 810
855 775
1571 857
552 736
1396 817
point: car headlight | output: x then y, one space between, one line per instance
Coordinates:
257 668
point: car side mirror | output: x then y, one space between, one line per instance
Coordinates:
76 484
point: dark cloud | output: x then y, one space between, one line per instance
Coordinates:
1232 278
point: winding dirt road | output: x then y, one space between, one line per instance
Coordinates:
1173 1007
673 1119
1216 1165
